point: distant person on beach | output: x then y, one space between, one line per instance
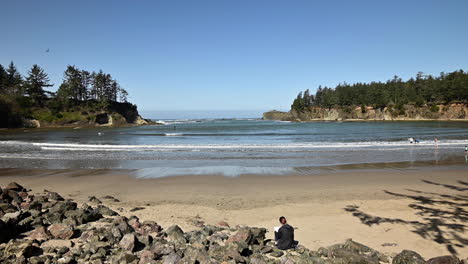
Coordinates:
466 150
436 142
284 235
417 140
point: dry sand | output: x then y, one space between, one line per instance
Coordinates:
389 210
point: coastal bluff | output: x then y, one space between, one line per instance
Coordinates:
115 114
45 227
451 112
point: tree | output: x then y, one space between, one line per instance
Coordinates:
75 84
423 89
14 81
35 82
3 80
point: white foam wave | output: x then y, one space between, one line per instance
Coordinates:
173 134
227 171
238 147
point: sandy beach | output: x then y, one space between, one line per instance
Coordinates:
389 210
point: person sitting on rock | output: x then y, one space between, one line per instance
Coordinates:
284 235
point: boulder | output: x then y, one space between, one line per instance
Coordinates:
277 253
171 259
121 223
54 196
62 207
408 257
248 235
146 256
104 210
61 231
128 242
148 227
351 257
81 216
14 186
91 235
161 247
444 260
96 247
95 200
31 206
175 234
56 243
40 234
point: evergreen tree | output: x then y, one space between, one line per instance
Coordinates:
3 80
14 81
35 82
423 89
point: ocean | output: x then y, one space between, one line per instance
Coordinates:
232 147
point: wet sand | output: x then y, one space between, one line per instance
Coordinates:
390 210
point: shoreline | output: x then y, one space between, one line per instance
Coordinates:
326 208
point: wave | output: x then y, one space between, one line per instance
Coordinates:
236 147
227 171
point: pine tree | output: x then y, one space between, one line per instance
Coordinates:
36 81
3 80
14 81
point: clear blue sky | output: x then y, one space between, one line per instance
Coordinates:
235 55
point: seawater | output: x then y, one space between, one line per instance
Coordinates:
233 147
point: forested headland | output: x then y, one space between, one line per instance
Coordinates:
420 97
83 98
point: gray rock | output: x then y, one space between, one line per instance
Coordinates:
444 260
40 234
104 210
147 257
408 257
277 253
14 186
171 259
175 234
352 257
63 206
61 231
128 242
54 196
95 200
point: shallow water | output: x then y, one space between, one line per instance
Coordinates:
234 146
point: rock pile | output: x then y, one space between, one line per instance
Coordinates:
47 228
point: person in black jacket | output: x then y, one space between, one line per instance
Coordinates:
284 236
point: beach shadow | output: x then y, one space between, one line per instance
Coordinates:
444 217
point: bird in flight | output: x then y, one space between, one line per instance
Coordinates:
47 50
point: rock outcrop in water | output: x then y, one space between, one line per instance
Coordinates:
47 228
408 113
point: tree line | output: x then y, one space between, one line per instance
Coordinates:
77 85
419 90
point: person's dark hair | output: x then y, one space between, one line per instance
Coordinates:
282 219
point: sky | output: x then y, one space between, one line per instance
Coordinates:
234 55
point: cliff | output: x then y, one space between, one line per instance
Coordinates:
85 114
455 112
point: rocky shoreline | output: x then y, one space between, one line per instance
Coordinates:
46 228
452 112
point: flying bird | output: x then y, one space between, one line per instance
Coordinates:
47 50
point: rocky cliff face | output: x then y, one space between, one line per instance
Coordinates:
408 112
116 114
